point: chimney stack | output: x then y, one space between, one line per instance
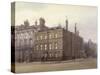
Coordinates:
66 23
75 28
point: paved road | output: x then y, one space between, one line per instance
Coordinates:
52 66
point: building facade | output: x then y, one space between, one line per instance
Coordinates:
41 43
57 44
23 38
49 44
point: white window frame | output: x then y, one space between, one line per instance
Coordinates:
56 46
56 35
45 46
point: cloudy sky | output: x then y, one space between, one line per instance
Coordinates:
54 14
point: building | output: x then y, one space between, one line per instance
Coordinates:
90 49
48 44
41 43
57 44
23 42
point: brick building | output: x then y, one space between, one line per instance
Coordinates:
57 44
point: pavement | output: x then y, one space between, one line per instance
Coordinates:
89 63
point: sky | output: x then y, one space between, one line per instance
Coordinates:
55 14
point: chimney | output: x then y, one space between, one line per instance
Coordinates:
66 24
75 28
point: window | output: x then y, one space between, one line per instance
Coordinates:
37 47
31 42
26 35
45 55
41 46
45 47
45 37
50 46
41 37
56 35
20 36
21 43
50 55
56 55
56 47
50 36
31 33
37 38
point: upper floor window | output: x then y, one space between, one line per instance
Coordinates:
56 46
45 46
45 37
41 37
41 47
26 35
56 35
31 41
20 36
50 36
50 46
37 47
31 33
